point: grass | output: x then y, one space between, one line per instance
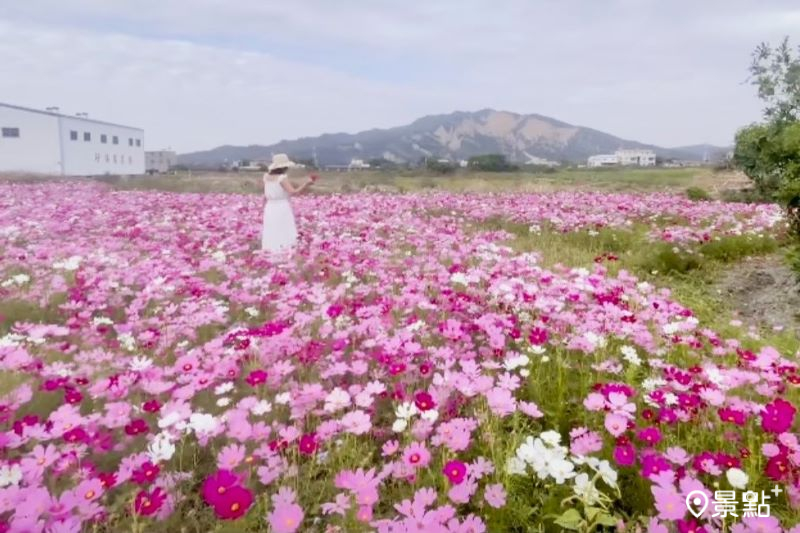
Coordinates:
601 180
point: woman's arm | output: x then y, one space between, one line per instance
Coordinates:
291 189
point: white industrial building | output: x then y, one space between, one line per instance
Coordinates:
160 161
603 160
639 158
48 142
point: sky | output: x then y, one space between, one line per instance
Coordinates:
196 74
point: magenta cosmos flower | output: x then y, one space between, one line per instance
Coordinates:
148 503
455 472
217 485
778 416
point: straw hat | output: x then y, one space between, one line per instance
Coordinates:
280 161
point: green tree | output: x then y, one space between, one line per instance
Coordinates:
769 153
776 73
439 167
491 163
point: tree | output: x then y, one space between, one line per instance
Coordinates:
491 163
439 167
776 73
769 153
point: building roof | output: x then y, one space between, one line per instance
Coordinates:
53 114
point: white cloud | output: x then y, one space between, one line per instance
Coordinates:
208 72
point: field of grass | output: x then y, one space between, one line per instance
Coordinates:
603 180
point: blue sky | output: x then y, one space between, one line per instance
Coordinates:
197 74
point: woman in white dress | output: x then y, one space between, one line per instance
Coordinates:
279 233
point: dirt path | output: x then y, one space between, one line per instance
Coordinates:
764 290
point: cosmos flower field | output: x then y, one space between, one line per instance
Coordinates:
405 371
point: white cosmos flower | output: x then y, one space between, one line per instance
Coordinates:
400 425
552 438
586 490
261 408
224 401
516 466
561 470
161 448
224 388
219 256
406 410
737 478
202 423
252 311
430 415
140 364
10 475
608 474
168 420
459 277
283 398
524 372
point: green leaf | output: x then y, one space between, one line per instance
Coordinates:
591 512
605 519
571 519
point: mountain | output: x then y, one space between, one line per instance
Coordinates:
454 136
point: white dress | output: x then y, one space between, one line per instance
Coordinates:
279 233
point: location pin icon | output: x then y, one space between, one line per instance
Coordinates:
697 502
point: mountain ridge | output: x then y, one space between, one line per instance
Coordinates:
454 136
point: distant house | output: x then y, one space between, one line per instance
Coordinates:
637 158
625 158
159 161
603 160
357 164
540 162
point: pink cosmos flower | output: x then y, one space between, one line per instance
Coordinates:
530 409
670 504
501 401
231 456
390 448
616 424
356 422
495 495
416 455
286 516
462 492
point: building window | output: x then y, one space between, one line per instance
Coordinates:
130 142
130 160
73 135
115 158
87 136
104 138
97 157
138 142
11 132
115 139
107 158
